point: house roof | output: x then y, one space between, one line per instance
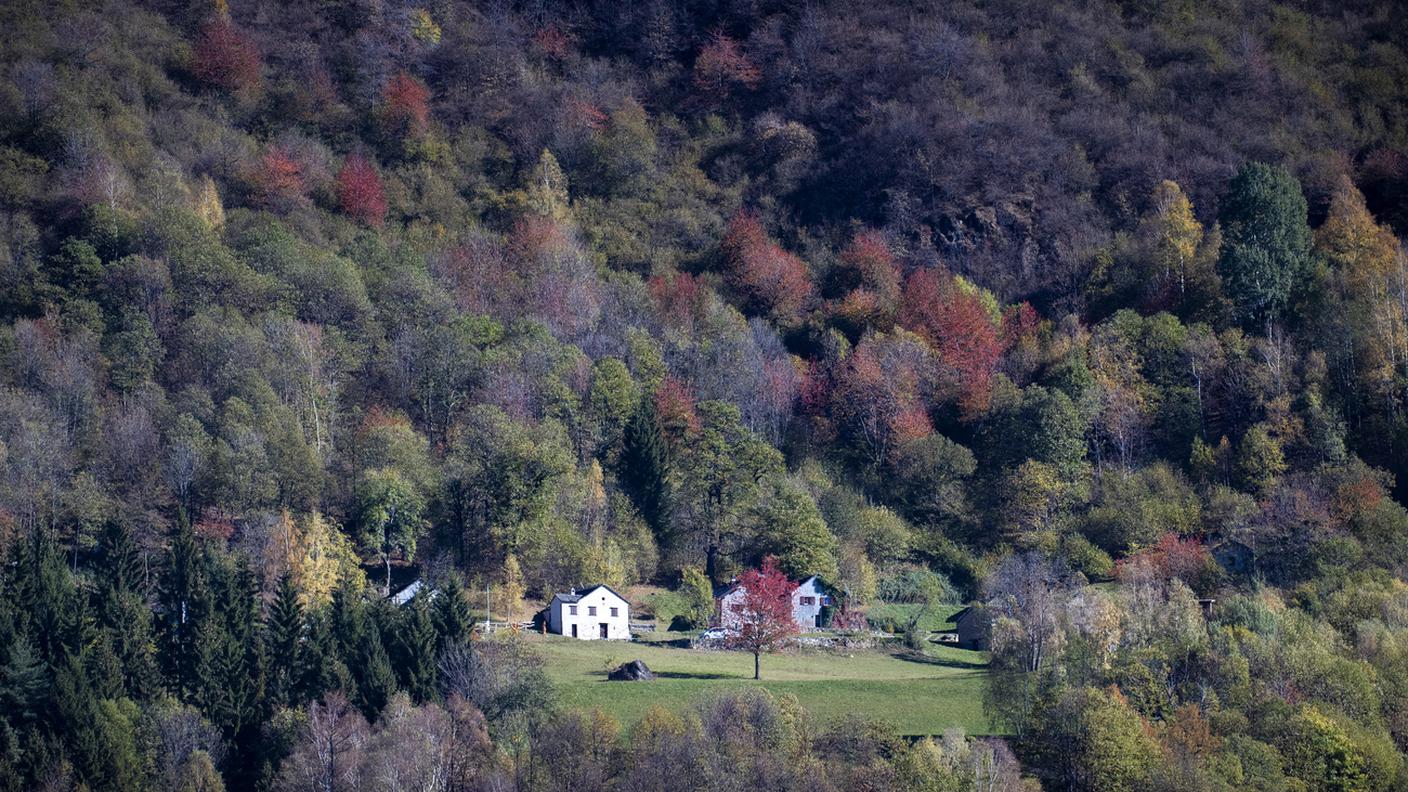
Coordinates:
408 593
577 594
723 591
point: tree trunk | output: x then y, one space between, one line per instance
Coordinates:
386 557
711 561
757 665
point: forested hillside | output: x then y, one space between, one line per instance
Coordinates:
999 300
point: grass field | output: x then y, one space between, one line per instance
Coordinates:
917 694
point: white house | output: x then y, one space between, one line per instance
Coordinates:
808 598
594 613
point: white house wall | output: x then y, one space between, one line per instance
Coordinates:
807 614
592 611
804 614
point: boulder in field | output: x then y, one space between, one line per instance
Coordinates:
634 671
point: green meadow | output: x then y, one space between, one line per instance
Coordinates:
917 693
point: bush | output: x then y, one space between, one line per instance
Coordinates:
917 585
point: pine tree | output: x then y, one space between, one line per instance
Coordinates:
103 667
284 630
120 563
645 469
348 620
376 681
185 608
74 711
235 671
415 650
23 683
230 693
451 615
45 599
324 668
123 615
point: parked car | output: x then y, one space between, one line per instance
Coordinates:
713 636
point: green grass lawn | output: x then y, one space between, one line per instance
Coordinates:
917 694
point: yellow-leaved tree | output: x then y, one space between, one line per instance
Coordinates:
323 558
1369 271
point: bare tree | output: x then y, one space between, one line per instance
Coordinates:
332 754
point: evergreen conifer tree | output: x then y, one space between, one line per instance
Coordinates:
122 612
451 615
376 681
185 610
284 630
415 644
645 469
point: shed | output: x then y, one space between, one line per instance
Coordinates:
972 625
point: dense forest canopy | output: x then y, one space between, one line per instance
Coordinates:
985 301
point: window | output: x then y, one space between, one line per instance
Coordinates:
808 600
613 612
572 609
591 610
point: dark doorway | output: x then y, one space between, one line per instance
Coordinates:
603 629
574 631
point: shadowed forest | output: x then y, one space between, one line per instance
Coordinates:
1093 314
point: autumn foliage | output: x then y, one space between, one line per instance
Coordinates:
226 57
761 620
680 297
871 278
278 179
958 326
722 67
1185 558
772 281
552 42
406 104
674 408
878 396
359 191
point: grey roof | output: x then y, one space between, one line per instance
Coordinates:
408 593
577 594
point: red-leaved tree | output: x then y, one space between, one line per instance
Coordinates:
226 57
761 619
359 191
681 298
405 105
774 282
674 408
957 325
1173 556
873 279
721 67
